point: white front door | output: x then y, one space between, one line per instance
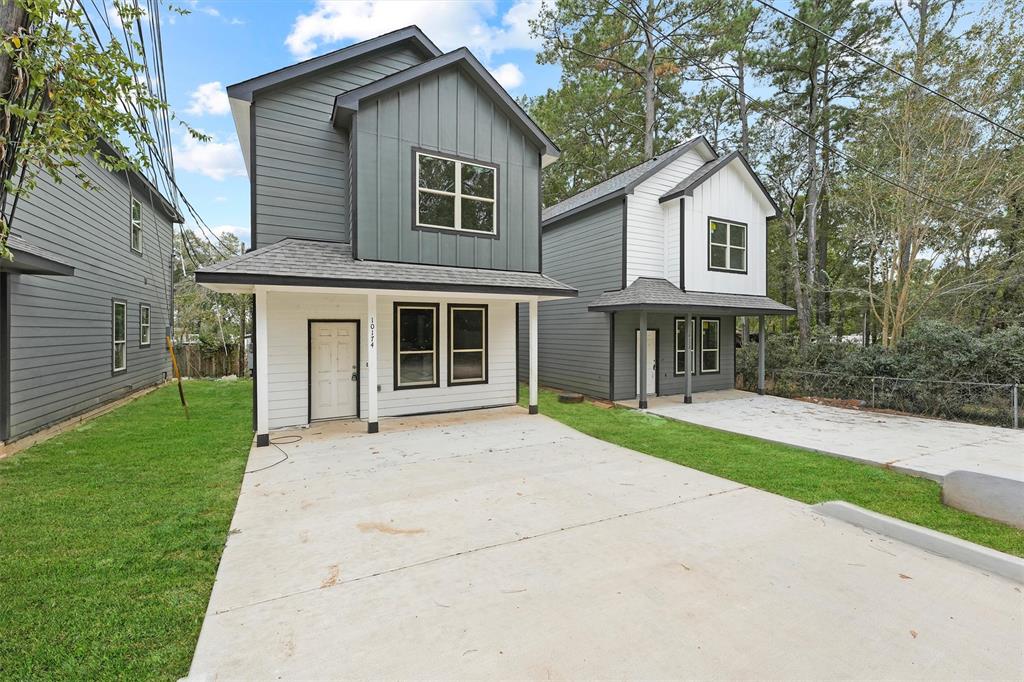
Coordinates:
333 370
652 362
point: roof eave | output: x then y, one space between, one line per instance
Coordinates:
719 310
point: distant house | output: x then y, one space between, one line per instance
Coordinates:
87 299
395 227
665 256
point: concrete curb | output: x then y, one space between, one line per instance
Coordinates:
994 497
982 558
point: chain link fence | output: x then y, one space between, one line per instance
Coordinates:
970 401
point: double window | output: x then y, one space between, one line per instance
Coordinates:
710 345
454 194
143 325
136 226
416 345
467 344
119 336
727 246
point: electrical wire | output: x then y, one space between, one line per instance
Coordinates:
277 444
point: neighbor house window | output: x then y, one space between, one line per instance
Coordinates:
453 194
143 325
136 225
709 345
467 344
681 344
415 345
728 246
119 354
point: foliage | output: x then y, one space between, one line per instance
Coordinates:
110 536
795 473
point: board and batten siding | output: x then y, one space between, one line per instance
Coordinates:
301 160
649 249
287 378
449 113
584 251
626 325
730 195
61 327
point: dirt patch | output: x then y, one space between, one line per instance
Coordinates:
333 574
387 529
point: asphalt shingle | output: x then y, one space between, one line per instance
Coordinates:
657 293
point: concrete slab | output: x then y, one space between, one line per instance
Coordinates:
509 546
931 448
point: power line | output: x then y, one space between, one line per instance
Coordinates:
818 143
891 70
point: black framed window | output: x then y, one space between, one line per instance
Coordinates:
456 194
710 337
416 340
119 336
727 245
467 344
144 312
136 225
681 350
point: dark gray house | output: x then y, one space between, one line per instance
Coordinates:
86 300
665 256
396 225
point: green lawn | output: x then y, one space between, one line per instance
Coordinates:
795 473
110 536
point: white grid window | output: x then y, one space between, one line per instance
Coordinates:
136 225
452 194
143 325
119 335
680 345
727 246
709 345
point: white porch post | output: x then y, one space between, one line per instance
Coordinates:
642 364
262 375
761 333
371 363
691 359
533 356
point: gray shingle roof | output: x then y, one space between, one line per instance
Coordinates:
659 294
30 258
304 262
697 177
617 185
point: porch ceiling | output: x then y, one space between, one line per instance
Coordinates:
655 294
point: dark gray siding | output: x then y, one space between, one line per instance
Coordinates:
626 324
61 326
445 111
584 252
301 160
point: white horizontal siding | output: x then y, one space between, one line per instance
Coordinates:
287 376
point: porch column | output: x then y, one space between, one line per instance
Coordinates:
761 332
533 356
691 359
262 375
371 363
642 369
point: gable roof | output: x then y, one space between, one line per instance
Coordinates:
655 293
619 185
347 103
411 35
699 176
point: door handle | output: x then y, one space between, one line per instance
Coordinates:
355 376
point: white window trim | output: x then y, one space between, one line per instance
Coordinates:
728 245
457 195
482 379
716 351
135 224
113 336
145 328
399 352
689 351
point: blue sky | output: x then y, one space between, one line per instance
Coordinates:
223 42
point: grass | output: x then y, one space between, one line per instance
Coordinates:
110 536
784 470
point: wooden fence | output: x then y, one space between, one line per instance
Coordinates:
193 362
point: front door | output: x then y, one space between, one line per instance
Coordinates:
652 362
333 369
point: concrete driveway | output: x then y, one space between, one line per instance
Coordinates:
931 448
499 545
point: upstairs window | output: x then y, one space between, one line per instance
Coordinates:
415 345
727 247
455 194
467 344
136 226
143 325
119 336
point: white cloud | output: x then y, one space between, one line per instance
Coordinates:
215 160
212 11
209 98
449 23
508 75
240 232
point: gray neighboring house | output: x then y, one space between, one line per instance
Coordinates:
395 225
670 251
86 300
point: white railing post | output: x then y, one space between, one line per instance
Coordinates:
371 363
533 356
262 373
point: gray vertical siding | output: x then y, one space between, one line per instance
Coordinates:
445 112
626 324
584 252
301 169
61 326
